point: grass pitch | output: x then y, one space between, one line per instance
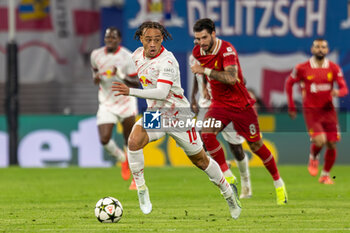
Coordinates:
184 200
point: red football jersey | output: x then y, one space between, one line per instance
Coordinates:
316 83
224 95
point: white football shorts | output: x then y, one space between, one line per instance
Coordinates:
190 141
107 115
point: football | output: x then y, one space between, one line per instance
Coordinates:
108 210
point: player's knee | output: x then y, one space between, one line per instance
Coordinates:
133 144
136 142
237 151
255 146
331 145
200 160
319 141
202 164
104 139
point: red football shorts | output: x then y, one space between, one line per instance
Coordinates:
245 122
319 121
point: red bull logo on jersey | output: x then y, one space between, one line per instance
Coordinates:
144 81
34 9
157 10
109 73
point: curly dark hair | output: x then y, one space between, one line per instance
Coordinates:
149 24
206 24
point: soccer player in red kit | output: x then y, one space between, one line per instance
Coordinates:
316 77
231 101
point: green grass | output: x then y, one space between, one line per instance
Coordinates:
63 200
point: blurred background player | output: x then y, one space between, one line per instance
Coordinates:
201 86
316 77
160 74
230 100
113 62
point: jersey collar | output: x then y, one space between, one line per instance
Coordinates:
314 65
216 48
160 52
118 49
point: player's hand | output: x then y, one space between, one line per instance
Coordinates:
335 93
292 114
197 69
120 89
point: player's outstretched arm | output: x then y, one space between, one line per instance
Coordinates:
158 93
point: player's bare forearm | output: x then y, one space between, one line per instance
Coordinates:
132 81
194 91
228 76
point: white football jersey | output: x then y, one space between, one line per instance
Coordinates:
162 68
114 67
202 102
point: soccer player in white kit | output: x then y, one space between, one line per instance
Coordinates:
159 74
230 135
113 62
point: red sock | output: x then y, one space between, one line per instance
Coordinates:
329 159
269 161
315 150
215 150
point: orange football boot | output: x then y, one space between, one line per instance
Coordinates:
125 169
313 167
325 180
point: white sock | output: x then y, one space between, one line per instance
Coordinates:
313 157
324 173
217 177
278 183
112 148
243 166
244 171
136 164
